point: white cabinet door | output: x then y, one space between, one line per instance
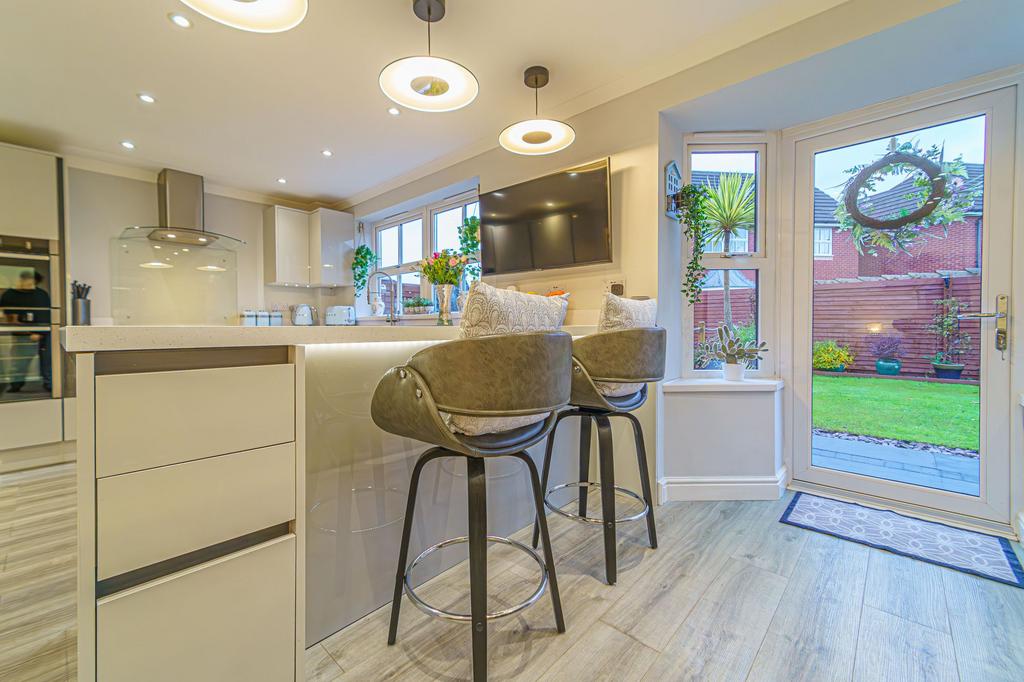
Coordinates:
28 194
331 243
286 245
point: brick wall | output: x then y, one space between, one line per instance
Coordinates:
956 250
848 312
845 261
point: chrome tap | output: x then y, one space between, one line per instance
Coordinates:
392 315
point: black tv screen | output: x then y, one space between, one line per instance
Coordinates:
556 221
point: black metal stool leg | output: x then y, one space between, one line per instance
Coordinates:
403 552
585 420
542 524
645 479
547 472
607 466
477 488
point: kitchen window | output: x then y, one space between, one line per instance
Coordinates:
404 240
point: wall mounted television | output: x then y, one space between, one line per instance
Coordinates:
555 221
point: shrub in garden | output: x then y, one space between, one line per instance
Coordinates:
829 355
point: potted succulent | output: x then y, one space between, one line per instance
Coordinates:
829 356
734 352
953 342
417 305
887 349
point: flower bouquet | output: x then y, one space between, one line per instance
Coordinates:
444 270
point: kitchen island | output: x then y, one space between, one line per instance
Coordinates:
214 417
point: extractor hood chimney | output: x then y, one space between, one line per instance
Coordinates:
181 215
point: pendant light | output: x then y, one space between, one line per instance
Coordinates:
257 16
429 83
537 136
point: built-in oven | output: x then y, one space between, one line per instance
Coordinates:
30 317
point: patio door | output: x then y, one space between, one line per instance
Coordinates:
902 238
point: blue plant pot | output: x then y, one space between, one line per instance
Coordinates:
836 370
888 366
947 371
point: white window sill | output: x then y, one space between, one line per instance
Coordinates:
719 385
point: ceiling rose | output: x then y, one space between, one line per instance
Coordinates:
429 83
258 16
536 136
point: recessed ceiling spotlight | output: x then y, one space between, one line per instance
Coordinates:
147 98
155 265
127 144
211 268
327 153
258 16
428 83
171 236
549 204
179 20
394 111
203 240
536 136
281 181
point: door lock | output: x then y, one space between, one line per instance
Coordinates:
1000 315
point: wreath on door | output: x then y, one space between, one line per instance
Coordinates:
932 193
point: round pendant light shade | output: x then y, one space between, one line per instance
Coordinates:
429 84
536 136
258 16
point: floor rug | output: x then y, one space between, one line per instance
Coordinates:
979 554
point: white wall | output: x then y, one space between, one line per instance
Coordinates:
101 205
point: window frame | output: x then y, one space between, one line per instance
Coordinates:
762 259
425 214
815 241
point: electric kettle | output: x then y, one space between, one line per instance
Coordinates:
304 315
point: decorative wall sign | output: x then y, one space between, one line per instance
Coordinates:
673 183
926 166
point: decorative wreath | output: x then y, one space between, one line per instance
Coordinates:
928 167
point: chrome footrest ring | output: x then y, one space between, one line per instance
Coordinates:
626 492
467 617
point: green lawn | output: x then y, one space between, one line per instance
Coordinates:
920 411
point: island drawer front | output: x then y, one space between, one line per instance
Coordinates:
149 516
229 619
153 419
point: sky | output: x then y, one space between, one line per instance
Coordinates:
966 137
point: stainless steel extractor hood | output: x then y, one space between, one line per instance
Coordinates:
181 214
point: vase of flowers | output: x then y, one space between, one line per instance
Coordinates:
444 270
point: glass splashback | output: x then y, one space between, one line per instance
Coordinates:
155 283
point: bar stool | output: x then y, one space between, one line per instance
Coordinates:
495 377
604 363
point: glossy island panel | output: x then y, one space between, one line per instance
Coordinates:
358 479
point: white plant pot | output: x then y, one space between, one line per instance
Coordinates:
732 372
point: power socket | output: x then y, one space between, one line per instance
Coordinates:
615 286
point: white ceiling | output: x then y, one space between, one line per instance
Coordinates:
244 109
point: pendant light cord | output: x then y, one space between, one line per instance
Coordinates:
429 22
536 105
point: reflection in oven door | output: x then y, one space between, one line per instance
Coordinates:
29 319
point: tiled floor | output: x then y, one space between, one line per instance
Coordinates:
932 470
731 594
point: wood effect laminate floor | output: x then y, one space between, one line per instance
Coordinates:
731 594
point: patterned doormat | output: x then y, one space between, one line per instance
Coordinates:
979 554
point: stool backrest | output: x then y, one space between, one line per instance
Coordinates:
513 374
623 355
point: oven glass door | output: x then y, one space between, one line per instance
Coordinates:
28 323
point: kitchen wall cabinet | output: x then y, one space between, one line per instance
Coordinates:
28 194
307 248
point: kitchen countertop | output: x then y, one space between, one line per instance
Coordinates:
120 338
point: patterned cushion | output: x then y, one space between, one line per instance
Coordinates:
624 313
490 311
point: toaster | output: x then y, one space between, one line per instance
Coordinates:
336 315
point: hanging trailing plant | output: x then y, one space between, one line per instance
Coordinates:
937 191
690 204
363 259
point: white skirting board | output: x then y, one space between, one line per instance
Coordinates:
699 488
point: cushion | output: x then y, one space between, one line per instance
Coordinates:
624 313
490 311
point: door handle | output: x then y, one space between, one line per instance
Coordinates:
1002 306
